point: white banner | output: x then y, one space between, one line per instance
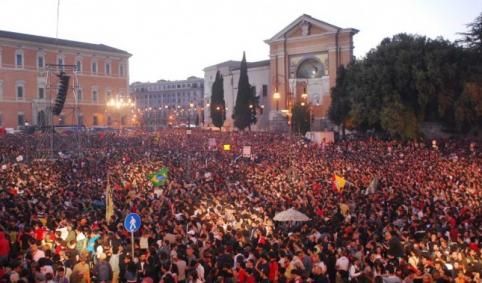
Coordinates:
247 151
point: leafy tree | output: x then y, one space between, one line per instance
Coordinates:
218 105
340 100
408 80
243 115
300 119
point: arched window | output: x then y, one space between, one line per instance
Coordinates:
310 68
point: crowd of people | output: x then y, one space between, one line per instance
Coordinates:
409 211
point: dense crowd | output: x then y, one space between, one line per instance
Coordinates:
409 212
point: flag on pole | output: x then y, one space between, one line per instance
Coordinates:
109 201
372 187
338 183
159 178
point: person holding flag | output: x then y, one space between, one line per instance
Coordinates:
338 183
160 177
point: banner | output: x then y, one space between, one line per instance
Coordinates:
247 151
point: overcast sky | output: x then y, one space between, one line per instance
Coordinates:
173 39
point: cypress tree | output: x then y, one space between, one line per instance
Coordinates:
218 105
244 115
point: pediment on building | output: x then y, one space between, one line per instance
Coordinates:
305 25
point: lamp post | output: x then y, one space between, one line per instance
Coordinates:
304 102
119 104
191 106
276 97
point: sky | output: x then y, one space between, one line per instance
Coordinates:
174 39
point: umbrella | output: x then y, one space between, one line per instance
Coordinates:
291 215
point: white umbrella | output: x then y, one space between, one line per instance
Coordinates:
291 215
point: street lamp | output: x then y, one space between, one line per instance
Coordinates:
118 103
191 105
276 97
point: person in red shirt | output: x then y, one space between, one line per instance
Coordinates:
4 248
273 268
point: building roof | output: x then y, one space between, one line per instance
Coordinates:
310 19
230 63
254 64
61 42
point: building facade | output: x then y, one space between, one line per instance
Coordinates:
258 74
303 63
164 103
29 66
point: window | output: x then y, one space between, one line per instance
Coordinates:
121 70
94 96
108 94
40 61
20 92
94 67
109 120
19 59
80 119
123 120
107 69
41 93
79 95
60 62
310 68
78 65
20 119
95 120
265 90
62 120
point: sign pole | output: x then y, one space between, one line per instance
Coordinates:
132 223
132 244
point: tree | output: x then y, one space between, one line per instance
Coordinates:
408 80
300 119
473 38
244 115
253 106
218 105
340 100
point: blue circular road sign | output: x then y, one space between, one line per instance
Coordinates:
132 223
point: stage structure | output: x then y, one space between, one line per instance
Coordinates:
62 101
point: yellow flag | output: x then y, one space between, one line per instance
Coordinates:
338 183
109 202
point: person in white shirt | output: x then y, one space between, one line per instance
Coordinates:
199 271
355 270
342 264
37 253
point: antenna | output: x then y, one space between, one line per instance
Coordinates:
58 16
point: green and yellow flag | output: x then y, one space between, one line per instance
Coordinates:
160 177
